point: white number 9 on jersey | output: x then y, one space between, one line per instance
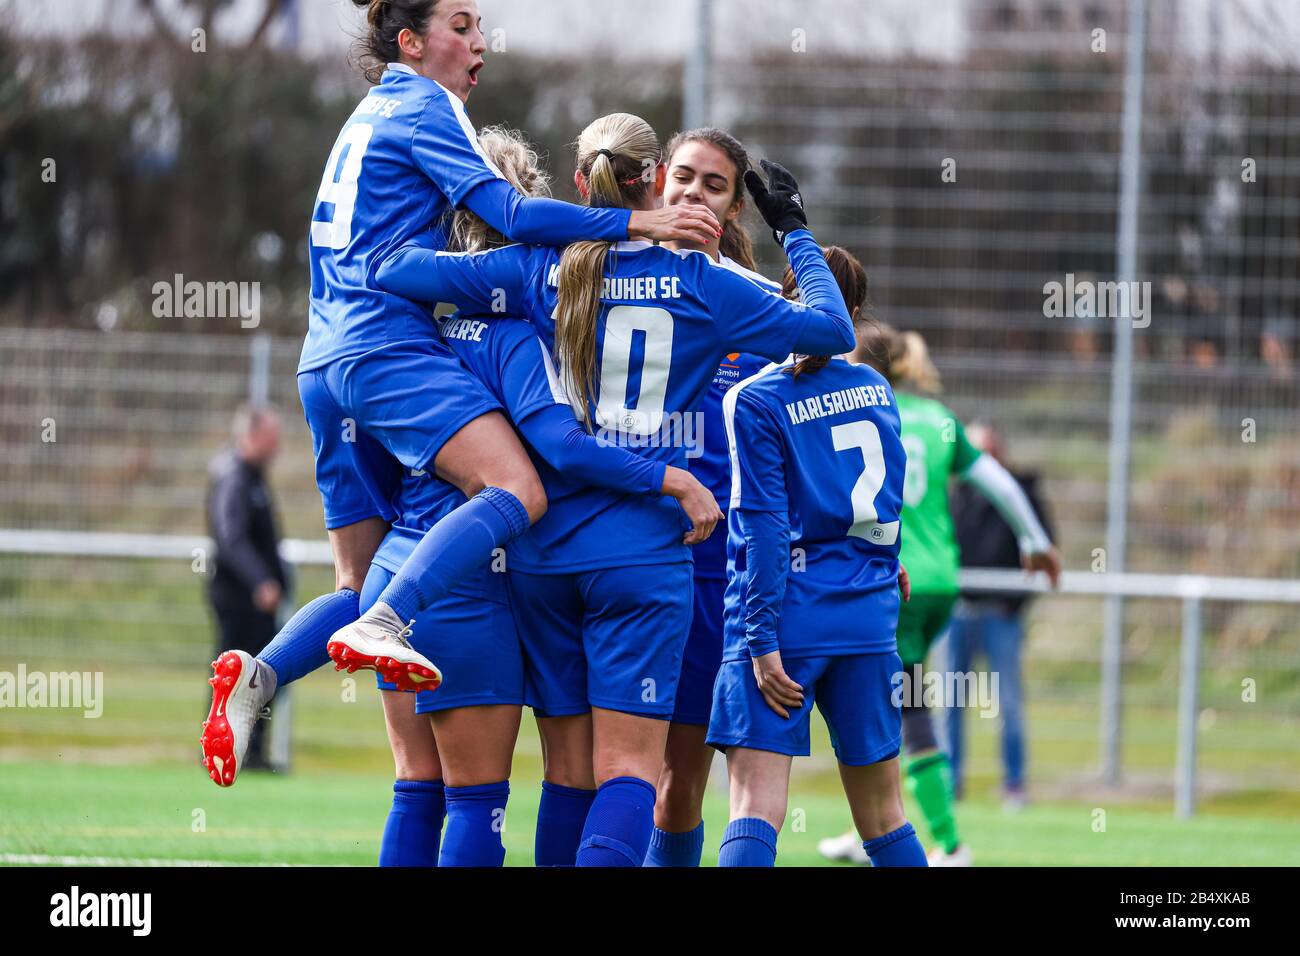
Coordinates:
339 187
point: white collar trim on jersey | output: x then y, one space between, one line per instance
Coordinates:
402 68
633 245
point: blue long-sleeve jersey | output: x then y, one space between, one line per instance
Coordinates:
405 158
712 463
666 318
817 467
507 356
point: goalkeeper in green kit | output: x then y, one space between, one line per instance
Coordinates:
937 449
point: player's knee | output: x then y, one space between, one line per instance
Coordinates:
532 496
680 799
417 766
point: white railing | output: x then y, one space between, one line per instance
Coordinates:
1192 590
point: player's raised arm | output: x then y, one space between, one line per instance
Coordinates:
763 322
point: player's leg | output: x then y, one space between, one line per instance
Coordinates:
678 838
413 830
760 791
547 611
429 412
929 777
855 695
759 744
476 717
568 788
963 638
1003 640
476 745
357 480
634 633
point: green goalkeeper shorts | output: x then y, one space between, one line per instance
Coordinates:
920 621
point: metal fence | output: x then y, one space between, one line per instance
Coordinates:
968 176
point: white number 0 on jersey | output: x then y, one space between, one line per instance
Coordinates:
339 187
865 436
622 322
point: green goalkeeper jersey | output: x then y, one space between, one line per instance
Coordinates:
937 449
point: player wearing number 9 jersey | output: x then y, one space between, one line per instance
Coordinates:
602 587
812 600
379 388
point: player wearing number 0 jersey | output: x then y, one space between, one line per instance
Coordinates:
475 718
378 386
602 587
704 166
812 600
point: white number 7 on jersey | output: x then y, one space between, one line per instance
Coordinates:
866 436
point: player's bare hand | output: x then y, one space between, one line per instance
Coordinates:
780 692
904 582
696 500
1049 562
684 222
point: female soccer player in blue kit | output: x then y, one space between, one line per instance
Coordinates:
812 599
705 166
381 391
602 587
453 749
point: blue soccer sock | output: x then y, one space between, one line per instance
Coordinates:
676 849
414 826
299 648
454 547
475 818
560 818
748 841
622 816
899 848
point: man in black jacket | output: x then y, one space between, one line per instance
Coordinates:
990 621
249 579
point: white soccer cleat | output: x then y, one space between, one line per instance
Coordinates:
846 848
958 857
241 688
378 642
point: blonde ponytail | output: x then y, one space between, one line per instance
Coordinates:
618 155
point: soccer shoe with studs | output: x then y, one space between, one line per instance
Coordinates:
958 857
241 689
378 642
846 847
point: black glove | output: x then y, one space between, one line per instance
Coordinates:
779 202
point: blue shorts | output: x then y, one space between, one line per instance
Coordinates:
473 642
374 414
610 638
703 654
854 693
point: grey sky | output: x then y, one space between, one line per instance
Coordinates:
664 28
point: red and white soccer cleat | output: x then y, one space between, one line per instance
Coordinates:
241 689
378 642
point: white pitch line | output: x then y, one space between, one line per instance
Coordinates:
41 859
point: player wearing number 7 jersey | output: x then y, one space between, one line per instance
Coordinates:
812 600
602 586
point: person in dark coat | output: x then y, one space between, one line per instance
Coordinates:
249 580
